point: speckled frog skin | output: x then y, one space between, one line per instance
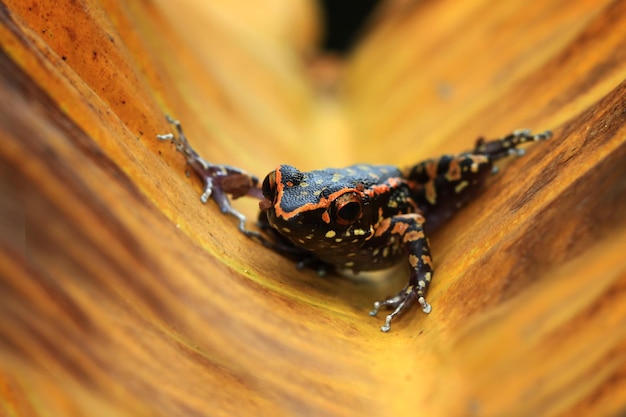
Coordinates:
336 213
361 217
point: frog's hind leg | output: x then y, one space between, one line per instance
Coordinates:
508 145
440 186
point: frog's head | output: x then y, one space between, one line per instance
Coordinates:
317 210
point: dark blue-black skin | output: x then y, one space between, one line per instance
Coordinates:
362 217
337 214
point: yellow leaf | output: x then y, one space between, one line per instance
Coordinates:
122 295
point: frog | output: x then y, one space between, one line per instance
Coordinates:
362 217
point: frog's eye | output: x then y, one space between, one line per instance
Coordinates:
348 208
269 186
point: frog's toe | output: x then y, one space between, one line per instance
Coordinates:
399 304
305 260
426 308
388 303
374 311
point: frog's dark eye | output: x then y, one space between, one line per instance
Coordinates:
348 208
269 186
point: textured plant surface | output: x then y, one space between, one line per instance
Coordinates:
122 295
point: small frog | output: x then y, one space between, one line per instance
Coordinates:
362 217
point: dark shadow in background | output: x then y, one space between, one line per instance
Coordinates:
344 21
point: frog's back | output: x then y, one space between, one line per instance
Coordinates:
364 175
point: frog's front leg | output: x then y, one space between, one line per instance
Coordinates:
283 246
218 180
410 230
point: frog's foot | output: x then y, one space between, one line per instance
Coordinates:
399 303
313 262
218 180
508 145
303 258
